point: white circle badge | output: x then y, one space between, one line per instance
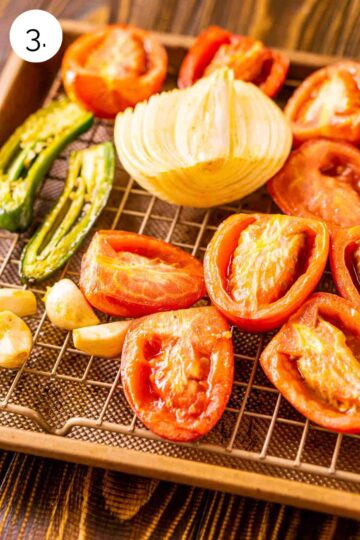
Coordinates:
36 35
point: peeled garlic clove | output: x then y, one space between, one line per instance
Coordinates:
15 340
18 301
67 307
104 340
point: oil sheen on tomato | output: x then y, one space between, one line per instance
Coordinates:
336 380
321 179
121 54
245 57
149 277
180 362
265 264
179 377
177 371
335 96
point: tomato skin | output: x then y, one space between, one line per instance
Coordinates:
108 95
126 274
285 376
342 247
306 187
218 258
208 43
160 353
326 122
276 78
200 54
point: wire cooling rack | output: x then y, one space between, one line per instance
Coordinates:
70 394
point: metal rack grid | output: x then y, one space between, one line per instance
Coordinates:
64 392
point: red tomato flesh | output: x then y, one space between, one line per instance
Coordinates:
260 268
249 59
119 55
115 68
314 361
244 56
177 371
268 256
320 180
327 104
129 275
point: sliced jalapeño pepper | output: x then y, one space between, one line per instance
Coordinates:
29 153
87 188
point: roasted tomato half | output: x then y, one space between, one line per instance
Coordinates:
249 59
129 275
314 362
260 268
345 263
177 371
115 68
327 104
320 180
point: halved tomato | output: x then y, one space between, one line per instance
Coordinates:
128 275
320 180
113 69
345 263
177 371
260 268
327 104
314 362
249 59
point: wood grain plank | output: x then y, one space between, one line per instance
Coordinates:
145 15
326 26
181 20
48 499
349 43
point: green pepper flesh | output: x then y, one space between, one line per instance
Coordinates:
29 153
86 191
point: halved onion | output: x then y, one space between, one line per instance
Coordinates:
206 145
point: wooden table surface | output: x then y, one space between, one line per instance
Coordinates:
42 498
